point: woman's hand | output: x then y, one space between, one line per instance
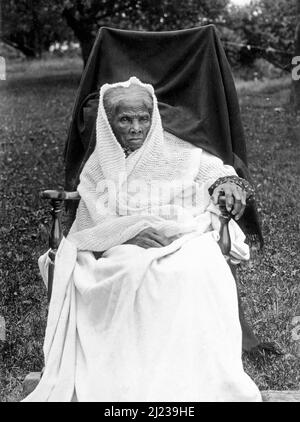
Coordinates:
151 238
235 198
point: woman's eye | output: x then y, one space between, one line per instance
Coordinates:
124 119
145 119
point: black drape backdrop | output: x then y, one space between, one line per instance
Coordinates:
195 90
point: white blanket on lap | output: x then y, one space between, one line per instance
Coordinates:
157 324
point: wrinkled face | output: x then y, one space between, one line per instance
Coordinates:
131 122
129 113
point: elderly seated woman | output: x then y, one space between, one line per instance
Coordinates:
144 305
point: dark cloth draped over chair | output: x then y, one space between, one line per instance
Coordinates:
194 86
196 94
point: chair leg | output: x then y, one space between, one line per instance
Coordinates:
54 240
249 339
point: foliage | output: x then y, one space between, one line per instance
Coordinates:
85 17
267 26
32 25
145 14
40 22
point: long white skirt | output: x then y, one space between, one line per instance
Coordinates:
157 324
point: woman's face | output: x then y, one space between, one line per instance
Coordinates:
130 122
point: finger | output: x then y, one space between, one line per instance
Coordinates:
243 206
151 243
153 232
175 237
216 194
239 215
237 200
146 231
171 239
237 206
229 199
243 196
146 243
159 238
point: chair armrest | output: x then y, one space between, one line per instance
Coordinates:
60 195
56 199
225 217
224 241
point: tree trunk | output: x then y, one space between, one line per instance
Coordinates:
81 31
295 94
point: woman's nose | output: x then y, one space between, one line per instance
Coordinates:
136 127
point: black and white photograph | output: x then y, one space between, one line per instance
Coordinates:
149 203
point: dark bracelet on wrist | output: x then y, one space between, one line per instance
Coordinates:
239 181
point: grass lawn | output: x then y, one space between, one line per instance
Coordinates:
35 109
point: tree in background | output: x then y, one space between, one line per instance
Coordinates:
85 17
31 26
265 26
267 29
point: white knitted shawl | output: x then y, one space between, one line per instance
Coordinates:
160 185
